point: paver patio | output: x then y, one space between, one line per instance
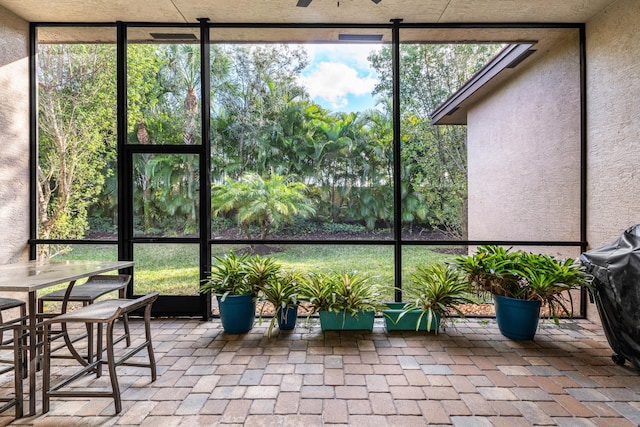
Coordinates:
469 376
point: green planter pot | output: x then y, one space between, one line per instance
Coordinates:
237 313
517 319
330 321
409 321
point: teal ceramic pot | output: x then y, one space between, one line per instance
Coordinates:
287 318
409 321
237 313
517 319
330 321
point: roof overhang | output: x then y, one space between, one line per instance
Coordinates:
453 111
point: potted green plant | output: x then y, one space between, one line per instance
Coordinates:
282 293
236 281
343 301
521 283
433 293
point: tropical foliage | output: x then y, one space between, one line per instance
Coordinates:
349 293
268 139
240 275
76 93
436 290
267 202
525 275
434 162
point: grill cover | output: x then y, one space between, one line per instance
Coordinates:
616 271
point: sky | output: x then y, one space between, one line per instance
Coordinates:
339 77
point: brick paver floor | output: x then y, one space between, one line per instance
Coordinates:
468 376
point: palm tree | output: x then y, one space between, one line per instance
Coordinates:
180 76
265 202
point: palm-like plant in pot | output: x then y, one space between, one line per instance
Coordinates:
261 272
342 300
282 293
236 282
521 283
435 291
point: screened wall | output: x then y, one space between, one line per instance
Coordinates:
172 144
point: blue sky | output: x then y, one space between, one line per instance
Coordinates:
339 77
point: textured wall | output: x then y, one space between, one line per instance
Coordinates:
524 152
14 138
613 130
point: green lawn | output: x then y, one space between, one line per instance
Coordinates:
172 269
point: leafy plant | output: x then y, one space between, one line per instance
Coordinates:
491 269
261 271
549 280
265 202
526 276
283 294
239 275
336 227
349 293
435 290
317 290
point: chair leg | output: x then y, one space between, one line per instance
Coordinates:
125 323
19 363
89 327
23 338
46 369
99 350
111 363
125 319
147 334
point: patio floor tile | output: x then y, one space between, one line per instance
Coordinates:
467 376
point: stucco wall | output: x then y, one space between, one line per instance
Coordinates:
524 152
14 138
613 130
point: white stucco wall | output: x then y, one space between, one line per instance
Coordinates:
535 128
613 129
524 152
14 138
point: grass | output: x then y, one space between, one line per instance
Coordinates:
172 269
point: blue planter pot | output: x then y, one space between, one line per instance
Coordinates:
287 318
517 319
330 321
237 313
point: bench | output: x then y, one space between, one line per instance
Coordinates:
102 313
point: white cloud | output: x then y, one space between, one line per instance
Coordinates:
355 54
335 81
